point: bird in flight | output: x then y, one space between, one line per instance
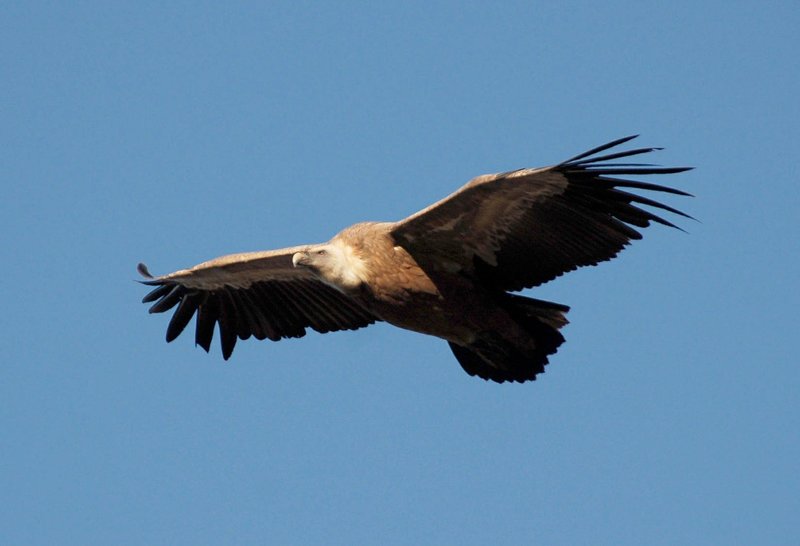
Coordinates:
449 270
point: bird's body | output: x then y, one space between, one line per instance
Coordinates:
395 289
446 271
393 286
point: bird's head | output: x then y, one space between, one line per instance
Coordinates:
315 258
333 263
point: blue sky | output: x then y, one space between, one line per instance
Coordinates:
171 135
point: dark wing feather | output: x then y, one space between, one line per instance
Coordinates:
257 294
523 228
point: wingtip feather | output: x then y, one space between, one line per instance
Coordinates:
143 271
601 148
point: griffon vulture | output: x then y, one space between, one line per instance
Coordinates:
448 271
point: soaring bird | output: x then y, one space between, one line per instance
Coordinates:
449 271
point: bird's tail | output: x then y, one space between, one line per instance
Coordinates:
492 356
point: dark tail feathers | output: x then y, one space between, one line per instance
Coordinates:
493 357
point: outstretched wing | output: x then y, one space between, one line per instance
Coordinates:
523 228
257 294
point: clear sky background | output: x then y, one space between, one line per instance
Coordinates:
174 134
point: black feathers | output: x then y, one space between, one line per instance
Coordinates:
168 301
493 357
603 148
183 314
207 314
591 221
269 309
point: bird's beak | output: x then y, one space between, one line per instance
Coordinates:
300 258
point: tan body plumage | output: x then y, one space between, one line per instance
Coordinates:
397 290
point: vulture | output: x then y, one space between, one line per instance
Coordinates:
450 270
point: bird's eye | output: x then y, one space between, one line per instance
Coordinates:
321 252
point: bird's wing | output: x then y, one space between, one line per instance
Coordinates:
256 294
523 228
